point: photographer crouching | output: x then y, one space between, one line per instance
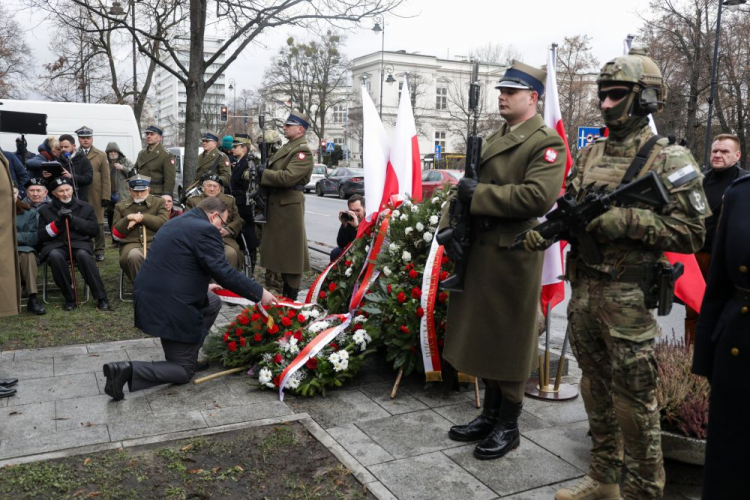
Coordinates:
350 220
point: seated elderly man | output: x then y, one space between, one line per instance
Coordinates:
213 187
27 224
135 223
36 192
64 211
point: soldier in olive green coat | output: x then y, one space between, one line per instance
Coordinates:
99 189
212 186
611 328
492 325
140 210
213 160
157 163
283 248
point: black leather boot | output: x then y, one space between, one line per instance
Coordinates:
33 305
480 427
505 436
289 292
118 374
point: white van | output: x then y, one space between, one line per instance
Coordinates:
110 122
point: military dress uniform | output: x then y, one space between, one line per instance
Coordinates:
214 161
283 247
233 225
99 189
158 164
611 330
155 215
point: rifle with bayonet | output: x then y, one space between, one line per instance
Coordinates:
256 195
457 234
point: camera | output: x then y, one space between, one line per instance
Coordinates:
346 217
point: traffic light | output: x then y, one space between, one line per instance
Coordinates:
224 113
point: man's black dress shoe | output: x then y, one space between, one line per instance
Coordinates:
102 305
99 257
69 306
6 393
202 366
118 374
8 382
33 306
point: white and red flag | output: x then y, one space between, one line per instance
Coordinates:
405 150
553 289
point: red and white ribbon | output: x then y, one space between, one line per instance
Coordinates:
314 347
369 273
314 291
427 331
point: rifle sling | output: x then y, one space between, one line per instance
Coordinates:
639 161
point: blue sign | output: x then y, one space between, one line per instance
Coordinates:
329 147
438 150
587 135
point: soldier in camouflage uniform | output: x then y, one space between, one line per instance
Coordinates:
611 330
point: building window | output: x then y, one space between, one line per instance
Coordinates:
339 113
441 98
338 141
440 140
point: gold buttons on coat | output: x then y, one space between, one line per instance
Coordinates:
743 310
735 351
743 269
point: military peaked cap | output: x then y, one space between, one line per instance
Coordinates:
154 129
298 118
208 136
139 182
84 132
523 76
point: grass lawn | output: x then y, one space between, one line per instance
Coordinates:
272 462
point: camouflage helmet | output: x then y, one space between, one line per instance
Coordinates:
271 137
639 69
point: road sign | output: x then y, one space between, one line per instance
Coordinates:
330 147
438 150
587 135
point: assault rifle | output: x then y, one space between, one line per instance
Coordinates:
457 234
255 193
570 218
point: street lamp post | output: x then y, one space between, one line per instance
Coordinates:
378 29
116 10
233 88
714 68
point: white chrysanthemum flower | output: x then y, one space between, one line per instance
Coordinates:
348 271
341 337
314 313
339 366
436 200
305 313
267 357
334 358
406 256
434 219
393 248
360 318
427 237
265 376
407 202
359 336
387 271
420 227
367 249
318 326
403 217
368 339
408 230
396 213
293 381
344 364
343 355
270 385
291 346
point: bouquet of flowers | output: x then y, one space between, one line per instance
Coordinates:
336 289
335 363
253 334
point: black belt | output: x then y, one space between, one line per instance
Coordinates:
157 183
623 274
293 188
485 223
741 294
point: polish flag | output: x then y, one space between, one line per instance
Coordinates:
405 151
553 289
380 177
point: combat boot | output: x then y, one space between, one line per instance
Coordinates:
289 292
33 306
479 428
589 488
505 436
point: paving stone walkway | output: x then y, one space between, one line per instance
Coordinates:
397 447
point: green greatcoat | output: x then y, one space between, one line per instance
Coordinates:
99 189
283 248
492 325
159 165
155 215
234 221
214 161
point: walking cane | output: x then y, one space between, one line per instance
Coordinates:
145 249
72 264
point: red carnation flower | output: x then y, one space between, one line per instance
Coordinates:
238 332
443 275
277 358
332 286
243 342
300 318
334 346
226 337
291 314
419 312
322 294
445 259
416 292
233 346
286 321
255 317
401 297
413 274
257 337
404 329
312 364
277 380
298 335
347 263
356 327
287 335
389 289
442 296
274 329
244 320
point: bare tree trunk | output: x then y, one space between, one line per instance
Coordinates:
195 89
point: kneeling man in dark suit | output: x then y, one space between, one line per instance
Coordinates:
173 301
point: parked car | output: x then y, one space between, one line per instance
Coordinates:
343 181
319 172
432 180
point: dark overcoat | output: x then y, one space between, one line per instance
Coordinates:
83 173
171 287
283 248
722 349
234 222
492 325
83 227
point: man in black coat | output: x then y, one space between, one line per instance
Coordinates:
173 300
722 349
53 239
76 167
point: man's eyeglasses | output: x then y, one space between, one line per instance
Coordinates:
614 94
